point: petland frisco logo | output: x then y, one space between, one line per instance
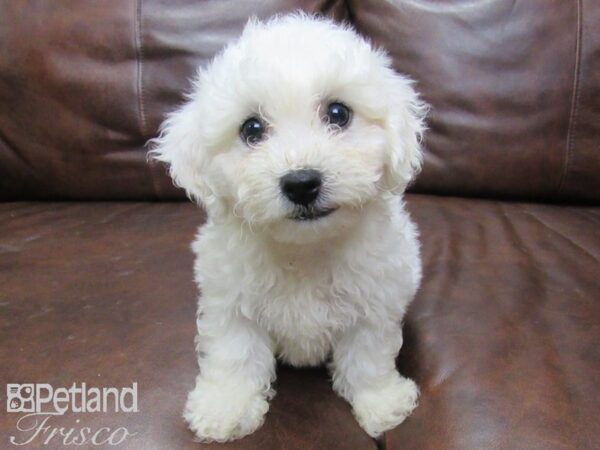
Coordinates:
40 402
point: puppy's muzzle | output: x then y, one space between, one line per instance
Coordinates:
302 186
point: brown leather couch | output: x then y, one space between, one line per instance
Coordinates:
96 274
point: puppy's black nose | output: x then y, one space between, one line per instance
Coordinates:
301 186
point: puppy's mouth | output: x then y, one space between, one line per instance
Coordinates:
310 213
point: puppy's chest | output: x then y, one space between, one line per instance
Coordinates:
304 300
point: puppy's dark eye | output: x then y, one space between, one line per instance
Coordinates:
252 131
338 114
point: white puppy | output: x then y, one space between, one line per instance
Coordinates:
299 139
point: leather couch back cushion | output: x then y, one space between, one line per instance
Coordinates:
513 89
84 84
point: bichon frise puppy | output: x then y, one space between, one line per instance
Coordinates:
299 139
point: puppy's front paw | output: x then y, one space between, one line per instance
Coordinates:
381 409
222 413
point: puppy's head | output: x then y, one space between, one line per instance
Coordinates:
293 129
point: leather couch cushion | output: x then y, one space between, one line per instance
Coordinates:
84 85
502 337
513 89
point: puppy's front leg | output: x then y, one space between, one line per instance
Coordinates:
364 373
237 366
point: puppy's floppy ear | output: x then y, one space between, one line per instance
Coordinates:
404 126
180 145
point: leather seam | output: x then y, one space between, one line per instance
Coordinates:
571 132
382 443
586 251
143 123
139 47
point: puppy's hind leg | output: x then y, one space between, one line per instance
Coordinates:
364 373
237 366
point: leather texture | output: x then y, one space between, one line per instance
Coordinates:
513 89
502 337
85 84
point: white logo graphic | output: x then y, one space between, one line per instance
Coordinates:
43 398
40 402
19 398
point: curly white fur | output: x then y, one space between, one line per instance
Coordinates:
333 289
